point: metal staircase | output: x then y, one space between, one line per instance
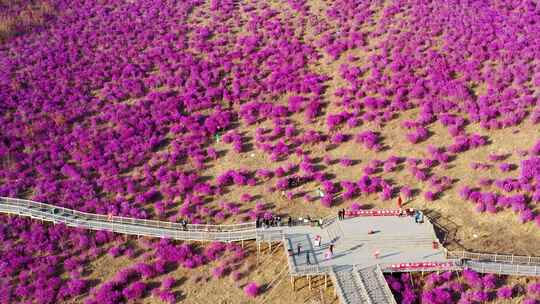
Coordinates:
365 285
348 287
374 283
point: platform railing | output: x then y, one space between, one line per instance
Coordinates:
311 269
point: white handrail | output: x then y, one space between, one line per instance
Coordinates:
498 258
70 217
153 223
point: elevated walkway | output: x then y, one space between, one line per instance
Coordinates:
131 226
358 276
503 268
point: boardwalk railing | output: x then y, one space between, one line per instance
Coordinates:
269 235
74 218
311 270
496 258
328 220
502 268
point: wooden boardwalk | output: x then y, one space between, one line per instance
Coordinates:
357 274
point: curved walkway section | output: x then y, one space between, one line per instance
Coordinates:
132 226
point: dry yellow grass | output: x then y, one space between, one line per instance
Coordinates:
269 268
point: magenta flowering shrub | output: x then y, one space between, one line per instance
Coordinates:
327 201
251 289
420 134
350 190
402 288
505 167
369 139
168 283
356 206
236 275
504 292
219 272
406 192
430 196
512 193
134 291
448 287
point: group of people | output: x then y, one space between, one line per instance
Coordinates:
318 239
275 221
341 214
184 223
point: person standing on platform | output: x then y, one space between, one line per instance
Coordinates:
331 249
307 258
327 255
298 247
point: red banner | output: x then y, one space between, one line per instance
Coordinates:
375 212
420 265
